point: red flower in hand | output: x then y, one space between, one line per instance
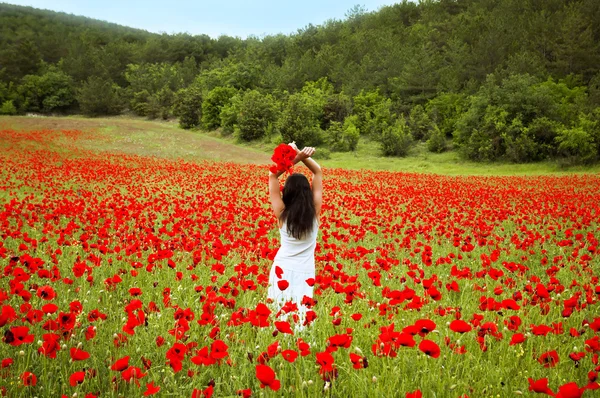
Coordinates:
283 156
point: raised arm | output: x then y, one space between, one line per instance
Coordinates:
317 182
274 191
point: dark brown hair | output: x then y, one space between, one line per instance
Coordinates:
299 212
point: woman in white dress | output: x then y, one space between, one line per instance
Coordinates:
297 212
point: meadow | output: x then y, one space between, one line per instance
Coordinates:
135 262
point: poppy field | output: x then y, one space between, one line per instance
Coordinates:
131 276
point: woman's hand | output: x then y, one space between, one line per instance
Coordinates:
306 152
293 145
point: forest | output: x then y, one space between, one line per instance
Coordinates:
494 80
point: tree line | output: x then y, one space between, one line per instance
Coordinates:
513 80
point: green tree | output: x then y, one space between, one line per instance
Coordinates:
212 105
257 114
575 145
8 108
98 97
419 123
299 120
396 139
188 106
437 140
50 92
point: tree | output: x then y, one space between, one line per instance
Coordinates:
257 113
300 122
51 91
188 106
98 97
396 139
214 101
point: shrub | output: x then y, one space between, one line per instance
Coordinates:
188 106
419 123
396 139
98 97
229 114
300 122
212 105
576 146
518 142
256 113
8 108
437 140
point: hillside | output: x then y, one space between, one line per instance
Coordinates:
508 80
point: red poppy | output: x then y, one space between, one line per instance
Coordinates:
29 379
278 272
569 390
460 326
430 348
76 378
78 355
414 394
540 386
18 335
266 376
151 389
120 364
289 355
46 293
283 284
549 359
517 338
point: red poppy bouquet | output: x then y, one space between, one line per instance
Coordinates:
283 156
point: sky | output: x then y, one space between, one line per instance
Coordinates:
214 18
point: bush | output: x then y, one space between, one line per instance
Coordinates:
445 109
256 113
212 105
49 92
351 133
300 122
396 139
419 123
322 153
229 114
8 108
99 97
437 140
518 142
188 106
576 146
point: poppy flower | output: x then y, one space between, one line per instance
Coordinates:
29 379
120 364
283 284
517 338
414 394
460 326
76 378
278 272
430 348
46 293
266 376
289 355
18 335
151 389
283 327
569 390
549 359
78 355
540 386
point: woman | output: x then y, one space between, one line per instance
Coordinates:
297 213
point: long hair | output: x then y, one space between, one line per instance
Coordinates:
299 211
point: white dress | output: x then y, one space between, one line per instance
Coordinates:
296 258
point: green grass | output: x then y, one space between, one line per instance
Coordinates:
165 139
